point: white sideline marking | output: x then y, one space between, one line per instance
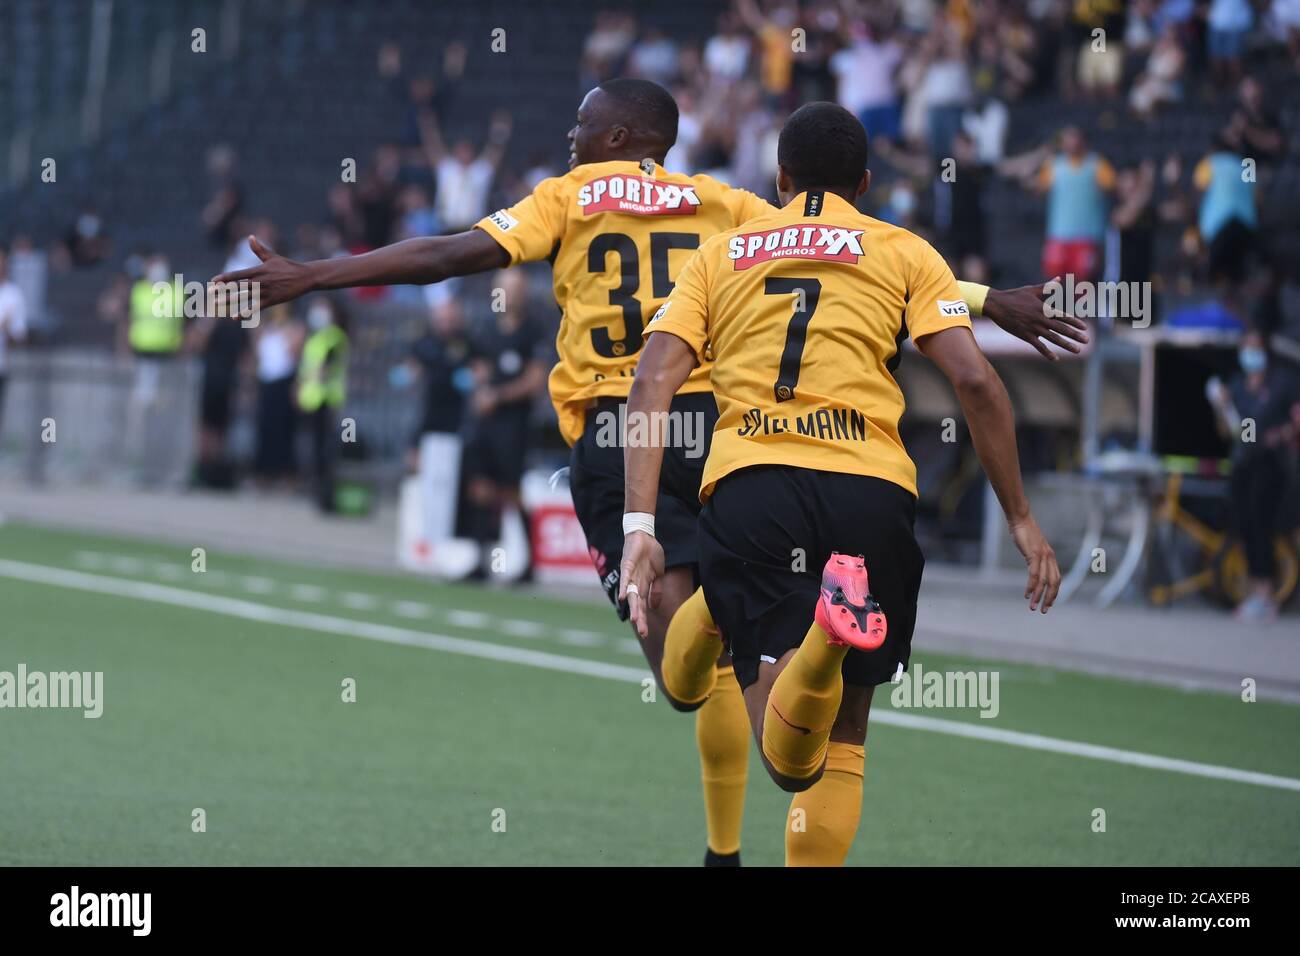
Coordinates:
358 601
521 628
310 620
1073 748
410 609
581 638
307 592
248 610
468 618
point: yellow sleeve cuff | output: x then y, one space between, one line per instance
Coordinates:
974 294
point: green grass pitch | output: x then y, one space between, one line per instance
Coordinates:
245 719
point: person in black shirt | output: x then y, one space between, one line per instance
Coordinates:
223 347
442 356
510 370
1253 128
959 211
1134 221
1269 397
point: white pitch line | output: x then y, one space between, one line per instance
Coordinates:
468 619
307 592
311 621
358 601
124 564
412 609
581 638
169 571
521 628
307 620
1073 748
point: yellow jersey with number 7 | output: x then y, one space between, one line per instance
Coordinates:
805 310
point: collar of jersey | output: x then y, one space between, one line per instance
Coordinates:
634 164
829 201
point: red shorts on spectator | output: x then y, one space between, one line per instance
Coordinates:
1077 256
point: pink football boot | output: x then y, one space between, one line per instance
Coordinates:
846 610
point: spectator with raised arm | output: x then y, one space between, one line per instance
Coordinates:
1076 181
464 176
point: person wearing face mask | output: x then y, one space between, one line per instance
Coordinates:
1259 412
322 390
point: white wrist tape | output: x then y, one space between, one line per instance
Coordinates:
639 521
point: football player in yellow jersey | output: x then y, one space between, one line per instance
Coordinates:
618 229
808 487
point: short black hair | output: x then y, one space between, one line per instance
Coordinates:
647 106
823 145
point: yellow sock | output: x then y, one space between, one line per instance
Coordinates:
803 705
824 818
722 732
691 651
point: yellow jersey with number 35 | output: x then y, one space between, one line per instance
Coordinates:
805 310
617 234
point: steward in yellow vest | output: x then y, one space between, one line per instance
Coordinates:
322 390
323 369
156 318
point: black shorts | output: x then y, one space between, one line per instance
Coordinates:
496 447
596 482
214 405
1230 251
765 535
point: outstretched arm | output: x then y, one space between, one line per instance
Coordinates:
409 262
1024 313
665 364
987 408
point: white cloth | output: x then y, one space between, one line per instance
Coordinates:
678 159
864 74
241 257
462 198
988 128
726 57
946 83
13 319
275 359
